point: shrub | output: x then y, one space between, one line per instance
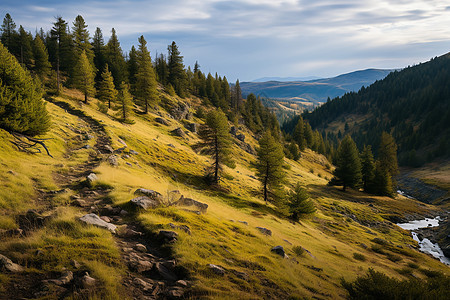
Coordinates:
298 250
359 256
299 203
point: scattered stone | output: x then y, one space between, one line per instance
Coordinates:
179 132
161 121
192 127
126 156
91 178
279 250
233 130
120 150
182 283
265 231
145 202
86 147
243 222
106 219
241 275
75 264
218 270
180 112
150 194
87 281
185 228
112 160
66 277
165 272
241 137
171 145
7 265
168 236
176 292
123 212
122 142
191 202
144 285
89 137
140 248
140 265
12 172
128 164
134 152
108 148
252 177
129 233
95 220
288 242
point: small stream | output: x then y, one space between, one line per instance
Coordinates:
426 245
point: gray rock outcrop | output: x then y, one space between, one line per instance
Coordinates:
93 219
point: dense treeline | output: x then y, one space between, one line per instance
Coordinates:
413 105
67 55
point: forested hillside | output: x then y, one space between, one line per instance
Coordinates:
412 104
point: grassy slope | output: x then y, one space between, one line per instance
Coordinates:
166 163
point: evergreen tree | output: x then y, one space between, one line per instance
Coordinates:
269 166
293 149
196 67
146 85
98 47
81 39
299 203
348 165
25 40
22 109
177 75
309 136
107 92
9 34
367 168
162 70
382 181
299 134
216 142
41 64
388 166
61 49
133 68
124 104
115 60
84 76
236 97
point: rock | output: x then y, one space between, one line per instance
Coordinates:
144 285
185 228
140 265
218 270
80 203
144 202
126 232
233 130
75 264
112 160
161 121
123 212
108 148
241 275
134 152
140 248
106 219
243 222
91 178
171 145
182 283
287 242
89 137
265 231
278 250
87 281
151 194
180 112
128 164
86 147
176 292
12 172
66 277
165 272
168 236
252 177
192 127
178 132
95 220
122 142
241 137
7 265
191 202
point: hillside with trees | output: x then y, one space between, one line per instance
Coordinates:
412 105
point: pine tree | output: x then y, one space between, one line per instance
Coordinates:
299 134
388 166
269 166
382 181
299 203
124 104
216 142
236 97
22 109
107 92
146 85
98 47
309 136
61 49
162 70
81 39
293 149
348 166
367 168
84 76
177 75
9 34
115 60
132 64
41 64
25 40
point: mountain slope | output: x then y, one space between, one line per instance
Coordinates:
412 104
338 241
314 91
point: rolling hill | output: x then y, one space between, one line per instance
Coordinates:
314 91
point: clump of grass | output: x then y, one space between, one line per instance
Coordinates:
109 276
430 273
298 250
359 256
413 265
393 257
377 249
320 175
311 171
405 271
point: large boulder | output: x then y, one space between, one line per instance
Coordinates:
192 127
179 132
66 277
202 207
279 250
180 112
264 231
145 202
91 178
218 270
150 193
161 121
95 220
7 265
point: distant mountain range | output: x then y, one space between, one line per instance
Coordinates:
314 91
284 79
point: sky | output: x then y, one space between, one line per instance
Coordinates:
249 39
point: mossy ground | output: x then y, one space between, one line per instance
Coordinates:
336 237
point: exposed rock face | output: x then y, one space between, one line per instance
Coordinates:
233 130
65 278
112 160
7 265
87 281
279 250
179 132
202 207
150 193
145 202
180 112
192 127
264 230
418 189
168 236
241 137
161 121
95 220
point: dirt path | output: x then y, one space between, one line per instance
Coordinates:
152 272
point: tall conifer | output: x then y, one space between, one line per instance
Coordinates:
41 64
348 166
124 104
84 76
107 92
177 75
146 85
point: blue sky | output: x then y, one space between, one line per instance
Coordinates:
248 39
